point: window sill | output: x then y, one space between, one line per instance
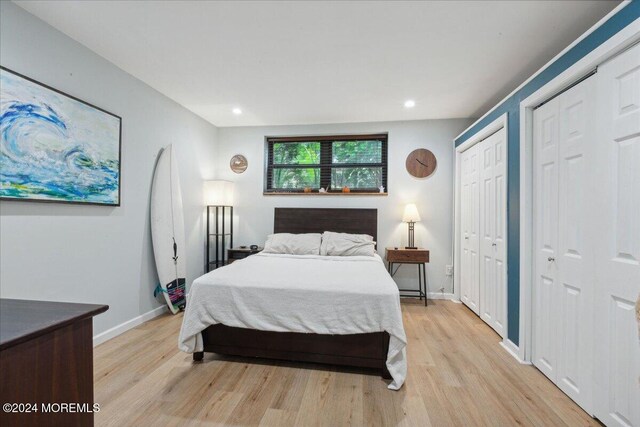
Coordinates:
322 194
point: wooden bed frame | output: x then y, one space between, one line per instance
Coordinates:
359 350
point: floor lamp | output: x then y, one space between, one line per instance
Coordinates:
219 202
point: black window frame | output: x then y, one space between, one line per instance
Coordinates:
326 161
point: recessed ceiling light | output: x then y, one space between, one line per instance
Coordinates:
410 103
237 111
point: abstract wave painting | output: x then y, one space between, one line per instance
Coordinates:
54 147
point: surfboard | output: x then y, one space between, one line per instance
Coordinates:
167 229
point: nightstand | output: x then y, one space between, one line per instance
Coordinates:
234 254
418 257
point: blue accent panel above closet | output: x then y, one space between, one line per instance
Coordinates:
511 106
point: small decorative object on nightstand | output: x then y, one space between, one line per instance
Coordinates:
235 254
410 256
411 216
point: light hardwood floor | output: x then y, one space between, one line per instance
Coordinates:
458 375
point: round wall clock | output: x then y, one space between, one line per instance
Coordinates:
238 163
421 163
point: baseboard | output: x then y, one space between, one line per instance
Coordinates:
442 295
513 350
129 324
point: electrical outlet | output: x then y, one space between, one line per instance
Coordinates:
448 270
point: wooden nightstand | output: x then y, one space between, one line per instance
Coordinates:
410 256
235 254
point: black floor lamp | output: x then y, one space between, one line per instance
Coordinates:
219 201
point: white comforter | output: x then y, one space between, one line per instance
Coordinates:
300 293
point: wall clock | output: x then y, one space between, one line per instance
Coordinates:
421 163
238 163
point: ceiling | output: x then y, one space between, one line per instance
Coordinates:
326 62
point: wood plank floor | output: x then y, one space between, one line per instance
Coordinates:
458 376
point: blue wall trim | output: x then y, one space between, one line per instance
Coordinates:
511 107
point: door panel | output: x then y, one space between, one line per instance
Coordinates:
469 281
574 257
500 319
465 288
545 347
500 231
474 237
618 249
487 270
493 287
569 372
545 140
626 161
563 297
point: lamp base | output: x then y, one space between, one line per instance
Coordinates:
410 241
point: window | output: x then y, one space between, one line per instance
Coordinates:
330 162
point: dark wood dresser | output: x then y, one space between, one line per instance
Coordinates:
46 363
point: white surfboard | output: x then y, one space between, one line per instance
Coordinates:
167 229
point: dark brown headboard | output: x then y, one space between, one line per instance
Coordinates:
318 220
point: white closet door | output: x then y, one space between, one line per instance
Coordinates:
563 290
574 259
465 221
617 212
545 140
469 281
492 152
500 233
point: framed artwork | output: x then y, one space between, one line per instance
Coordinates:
55 147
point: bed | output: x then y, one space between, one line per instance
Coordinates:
344 311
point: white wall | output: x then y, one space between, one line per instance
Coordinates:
98 254
254 211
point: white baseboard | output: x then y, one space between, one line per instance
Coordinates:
513 350
442 295
129 324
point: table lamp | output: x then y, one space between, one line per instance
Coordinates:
411 216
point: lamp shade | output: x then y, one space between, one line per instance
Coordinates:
411 213
218 193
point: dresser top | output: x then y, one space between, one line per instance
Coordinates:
402 248
22 320
246 249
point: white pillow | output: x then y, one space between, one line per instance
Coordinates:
345 244
293 244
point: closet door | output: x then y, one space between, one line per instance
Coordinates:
469 281
492 152
574 260
563 289
545 140
617 244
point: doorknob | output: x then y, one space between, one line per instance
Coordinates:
466 237
551 259
494 244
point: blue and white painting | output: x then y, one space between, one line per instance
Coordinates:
54 147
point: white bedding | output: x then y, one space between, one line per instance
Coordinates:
300 293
